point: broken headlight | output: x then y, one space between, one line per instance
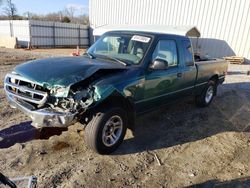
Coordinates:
59 92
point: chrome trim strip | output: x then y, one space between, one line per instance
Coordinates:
170 93
164 94
200 84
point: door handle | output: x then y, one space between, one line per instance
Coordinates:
179 74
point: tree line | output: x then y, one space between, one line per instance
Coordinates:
8 10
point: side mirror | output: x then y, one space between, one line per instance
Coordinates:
159 64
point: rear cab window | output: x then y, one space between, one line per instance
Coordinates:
188 53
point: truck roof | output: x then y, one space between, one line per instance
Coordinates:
188 31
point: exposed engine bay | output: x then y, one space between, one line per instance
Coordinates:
76 100
80 96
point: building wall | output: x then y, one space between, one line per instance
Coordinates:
45 34
19 29
224 24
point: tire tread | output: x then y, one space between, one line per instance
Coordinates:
92 130
200 99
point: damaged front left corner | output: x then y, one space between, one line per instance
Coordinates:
55 111
65 110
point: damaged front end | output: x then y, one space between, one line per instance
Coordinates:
55 107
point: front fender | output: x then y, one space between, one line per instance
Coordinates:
103 92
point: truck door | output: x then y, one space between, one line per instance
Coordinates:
163 86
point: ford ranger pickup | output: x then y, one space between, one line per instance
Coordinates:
122 75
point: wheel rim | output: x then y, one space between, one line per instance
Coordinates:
112 131
209 94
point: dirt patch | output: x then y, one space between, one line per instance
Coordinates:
178 146
60 145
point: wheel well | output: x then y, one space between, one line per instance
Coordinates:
117 99
215 78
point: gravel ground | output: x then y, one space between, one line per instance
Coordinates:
178 146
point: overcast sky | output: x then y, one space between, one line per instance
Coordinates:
48 6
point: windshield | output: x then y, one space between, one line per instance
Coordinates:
128 48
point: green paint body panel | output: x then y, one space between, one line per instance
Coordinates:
145 88
63 72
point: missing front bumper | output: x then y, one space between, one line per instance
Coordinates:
44 117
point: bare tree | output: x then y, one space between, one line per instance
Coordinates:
10 9
82 19
70 11
65 19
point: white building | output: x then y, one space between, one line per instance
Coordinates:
224 24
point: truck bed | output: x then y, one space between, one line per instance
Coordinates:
207 69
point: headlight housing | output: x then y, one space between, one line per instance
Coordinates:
59 92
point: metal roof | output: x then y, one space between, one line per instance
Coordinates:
189 31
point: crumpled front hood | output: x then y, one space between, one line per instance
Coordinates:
63 71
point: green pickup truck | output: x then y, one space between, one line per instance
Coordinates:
122 75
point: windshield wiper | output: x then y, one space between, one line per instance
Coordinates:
91 56
117 60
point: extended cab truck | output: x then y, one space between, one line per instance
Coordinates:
123 74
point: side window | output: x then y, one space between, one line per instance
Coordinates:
188 54
166 50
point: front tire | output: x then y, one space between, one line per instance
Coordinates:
207 94
106 130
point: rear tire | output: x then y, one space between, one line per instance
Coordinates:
106 130
207 94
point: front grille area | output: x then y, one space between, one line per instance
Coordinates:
22 88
